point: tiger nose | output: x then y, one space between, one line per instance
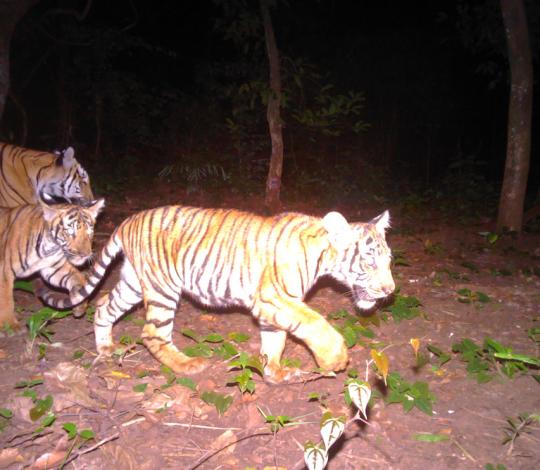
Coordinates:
389 288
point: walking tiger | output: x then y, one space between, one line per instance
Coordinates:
49 239
227 257
26 174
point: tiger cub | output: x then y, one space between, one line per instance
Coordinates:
49 239
227 257
26 174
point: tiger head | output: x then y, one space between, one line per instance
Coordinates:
71 227
362 257
67 178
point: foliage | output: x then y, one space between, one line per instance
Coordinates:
247 364
351 328
410 395
220 401
477 298
518 427
39 321
481 360
404 307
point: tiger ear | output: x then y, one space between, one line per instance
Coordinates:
381 222
68 157
339 231
49 211
96 206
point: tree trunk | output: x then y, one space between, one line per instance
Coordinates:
518 146
275 170
11 11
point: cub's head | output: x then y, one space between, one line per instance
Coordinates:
362 257
66 178
71 227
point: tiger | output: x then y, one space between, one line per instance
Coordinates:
47 238
26 174
226 257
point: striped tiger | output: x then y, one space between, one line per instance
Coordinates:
49 239
227 257
26 174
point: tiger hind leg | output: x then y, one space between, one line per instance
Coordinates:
272 346
124 296
157 337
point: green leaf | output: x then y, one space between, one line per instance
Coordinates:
24 285
78 354
6 413
349 335
187 382
225 350
517 357
41 407
198 350
140 388
87 434
220 401
48 420
213 338
427 437
71 430
238 337
190 334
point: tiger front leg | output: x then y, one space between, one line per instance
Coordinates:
69 278
8 320
295 317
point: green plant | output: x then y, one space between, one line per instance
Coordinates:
492 355
410 395
39 322
518 427
79 438
477 298
404 307
220 401
247 364
5 415
224 349
351 328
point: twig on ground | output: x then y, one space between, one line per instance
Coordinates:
246 434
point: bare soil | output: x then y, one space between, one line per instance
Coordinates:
173 428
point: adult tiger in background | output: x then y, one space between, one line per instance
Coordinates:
227 257
49 239
26 174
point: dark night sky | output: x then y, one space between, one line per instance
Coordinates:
424 97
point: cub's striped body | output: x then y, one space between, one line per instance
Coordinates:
26 174
227 257
50 240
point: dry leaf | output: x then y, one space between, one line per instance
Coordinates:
415 344
381 361
226 441
10 456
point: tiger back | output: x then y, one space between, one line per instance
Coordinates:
228 257
26 174
51 240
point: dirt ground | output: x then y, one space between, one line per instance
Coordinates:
137 426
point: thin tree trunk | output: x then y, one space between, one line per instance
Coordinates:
275 170
519 117
11 11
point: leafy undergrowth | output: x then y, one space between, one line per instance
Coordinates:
444 376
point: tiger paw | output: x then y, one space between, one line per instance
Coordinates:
80 310
191 366
10 327
277 375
